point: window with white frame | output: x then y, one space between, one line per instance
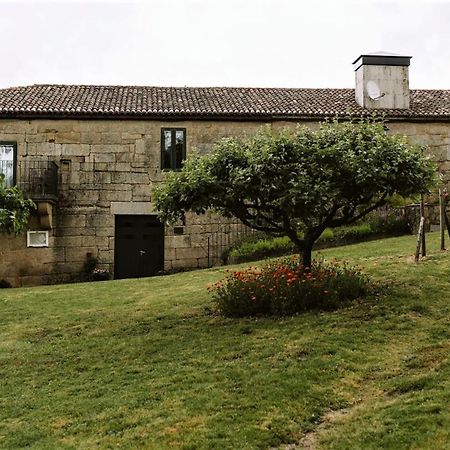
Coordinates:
8 162
37 239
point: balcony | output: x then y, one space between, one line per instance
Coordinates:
38 179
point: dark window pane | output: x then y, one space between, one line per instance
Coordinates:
173 148
179 148
167 149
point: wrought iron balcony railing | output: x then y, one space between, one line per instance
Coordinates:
38 179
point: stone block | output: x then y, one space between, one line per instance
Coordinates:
103 158
201 240
90 137
96 241
79 254
104 231
84 231
142 192
34 280
72 220
67 137
140 146
120 167
55 126
125 157
203 262
11 242
115 196
101 221
39 137
101 166
74 178
140 178
106 256
68 241
111 137
59 254
13 137
184 264
86 178
139 159
182 241
134 208
140 168
102 178
41 149
108 148
121 177
191 253
75 149
169 254
119 187
72 267
128 137
85 197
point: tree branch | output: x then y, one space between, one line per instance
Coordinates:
348 219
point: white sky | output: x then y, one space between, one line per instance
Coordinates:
267 43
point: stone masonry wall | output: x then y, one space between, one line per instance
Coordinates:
109 167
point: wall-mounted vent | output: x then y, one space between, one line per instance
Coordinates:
37 239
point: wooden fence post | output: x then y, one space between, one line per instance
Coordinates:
441 219
419 239
447 222
422 216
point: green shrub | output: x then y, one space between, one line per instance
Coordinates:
352 232
259 245
265 247
286 287
390 222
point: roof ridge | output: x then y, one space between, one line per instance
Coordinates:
265 88
174 87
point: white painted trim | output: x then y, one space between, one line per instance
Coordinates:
31 233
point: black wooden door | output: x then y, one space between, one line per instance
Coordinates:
139 246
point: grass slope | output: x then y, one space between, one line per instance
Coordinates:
147 364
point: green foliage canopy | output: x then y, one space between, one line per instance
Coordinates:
15 209
285 183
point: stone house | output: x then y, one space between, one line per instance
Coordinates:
89 157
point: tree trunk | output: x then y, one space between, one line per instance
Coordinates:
304 247
306 254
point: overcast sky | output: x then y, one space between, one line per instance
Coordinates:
263 43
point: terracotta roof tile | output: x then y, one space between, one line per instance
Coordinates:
209 102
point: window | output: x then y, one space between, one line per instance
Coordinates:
173 148
8 162
37 239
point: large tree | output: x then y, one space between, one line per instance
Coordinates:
298 183
15 209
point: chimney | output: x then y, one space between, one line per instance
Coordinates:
382 81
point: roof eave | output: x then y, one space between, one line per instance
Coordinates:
263 117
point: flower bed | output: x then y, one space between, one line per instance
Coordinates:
286 287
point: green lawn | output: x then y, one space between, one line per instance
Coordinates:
148 364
